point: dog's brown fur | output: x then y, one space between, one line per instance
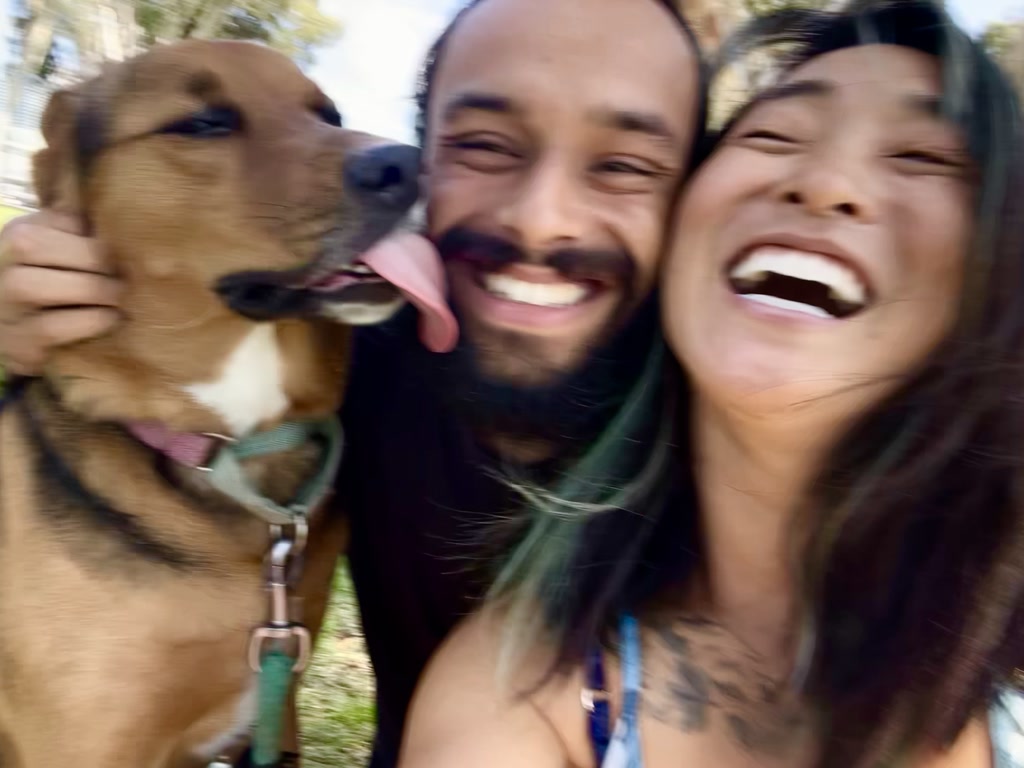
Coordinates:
127 588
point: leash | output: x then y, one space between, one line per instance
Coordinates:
279 649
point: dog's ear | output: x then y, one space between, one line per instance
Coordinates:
54 168
72 127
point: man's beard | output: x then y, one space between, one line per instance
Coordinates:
571 410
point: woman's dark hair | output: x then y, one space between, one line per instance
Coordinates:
910 548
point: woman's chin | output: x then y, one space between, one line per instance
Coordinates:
768 380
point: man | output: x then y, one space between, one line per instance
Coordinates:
555 135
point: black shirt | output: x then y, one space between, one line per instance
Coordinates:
419 501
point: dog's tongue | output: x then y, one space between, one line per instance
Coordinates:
410 263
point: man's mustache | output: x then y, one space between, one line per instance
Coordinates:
491 253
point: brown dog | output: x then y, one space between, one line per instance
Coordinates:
235 209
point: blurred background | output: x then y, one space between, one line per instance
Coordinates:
365 54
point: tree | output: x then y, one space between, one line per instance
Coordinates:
44 22
295 27
1005 41
757 7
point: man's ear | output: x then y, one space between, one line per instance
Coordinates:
55 167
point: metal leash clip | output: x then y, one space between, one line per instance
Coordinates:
285 553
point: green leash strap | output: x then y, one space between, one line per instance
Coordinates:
227 475
274 684
275 667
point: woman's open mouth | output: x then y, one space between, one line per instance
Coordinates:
799 281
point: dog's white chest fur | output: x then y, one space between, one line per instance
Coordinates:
250 387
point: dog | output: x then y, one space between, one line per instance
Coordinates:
151 558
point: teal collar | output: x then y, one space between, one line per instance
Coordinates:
220 458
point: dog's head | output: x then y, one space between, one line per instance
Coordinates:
230 199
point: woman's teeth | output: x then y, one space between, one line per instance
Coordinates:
799 281
537 294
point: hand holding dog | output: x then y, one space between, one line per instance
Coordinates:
55 288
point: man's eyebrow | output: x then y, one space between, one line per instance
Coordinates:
478 101
632 121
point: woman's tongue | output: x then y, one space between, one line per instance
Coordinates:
410 263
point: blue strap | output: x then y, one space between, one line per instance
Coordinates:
599 719
632 671
627 731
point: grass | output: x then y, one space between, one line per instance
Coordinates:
336 706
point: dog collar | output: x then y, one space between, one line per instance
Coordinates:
220 458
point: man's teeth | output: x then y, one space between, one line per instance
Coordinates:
538 294
844 287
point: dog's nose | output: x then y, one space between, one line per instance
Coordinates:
384 176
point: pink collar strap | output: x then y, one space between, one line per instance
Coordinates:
193 449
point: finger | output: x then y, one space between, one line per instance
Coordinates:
23 242
30 341
38 287
65 222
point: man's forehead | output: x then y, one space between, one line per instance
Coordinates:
624 61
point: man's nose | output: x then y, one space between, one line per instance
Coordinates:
384 177
546 210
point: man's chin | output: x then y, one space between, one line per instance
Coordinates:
528 388
522 361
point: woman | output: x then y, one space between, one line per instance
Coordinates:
842 293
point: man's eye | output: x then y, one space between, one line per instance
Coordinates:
930 158
480 145
207 123
483 153
620 166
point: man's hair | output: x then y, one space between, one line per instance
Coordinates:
909 552
428 74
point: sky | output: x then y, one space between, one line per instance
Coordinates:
371 72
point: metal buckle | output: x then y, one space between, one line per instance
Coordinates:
215 449
267 634
590 697
284 551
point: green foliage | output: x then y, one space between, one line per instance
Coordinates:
758 7
1005 41
999 38
336 703
294 27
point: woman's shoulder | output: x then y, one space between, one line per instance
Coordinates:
1006 723
468 711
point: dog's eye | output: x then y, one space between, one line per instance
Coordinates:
329 114
208 123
